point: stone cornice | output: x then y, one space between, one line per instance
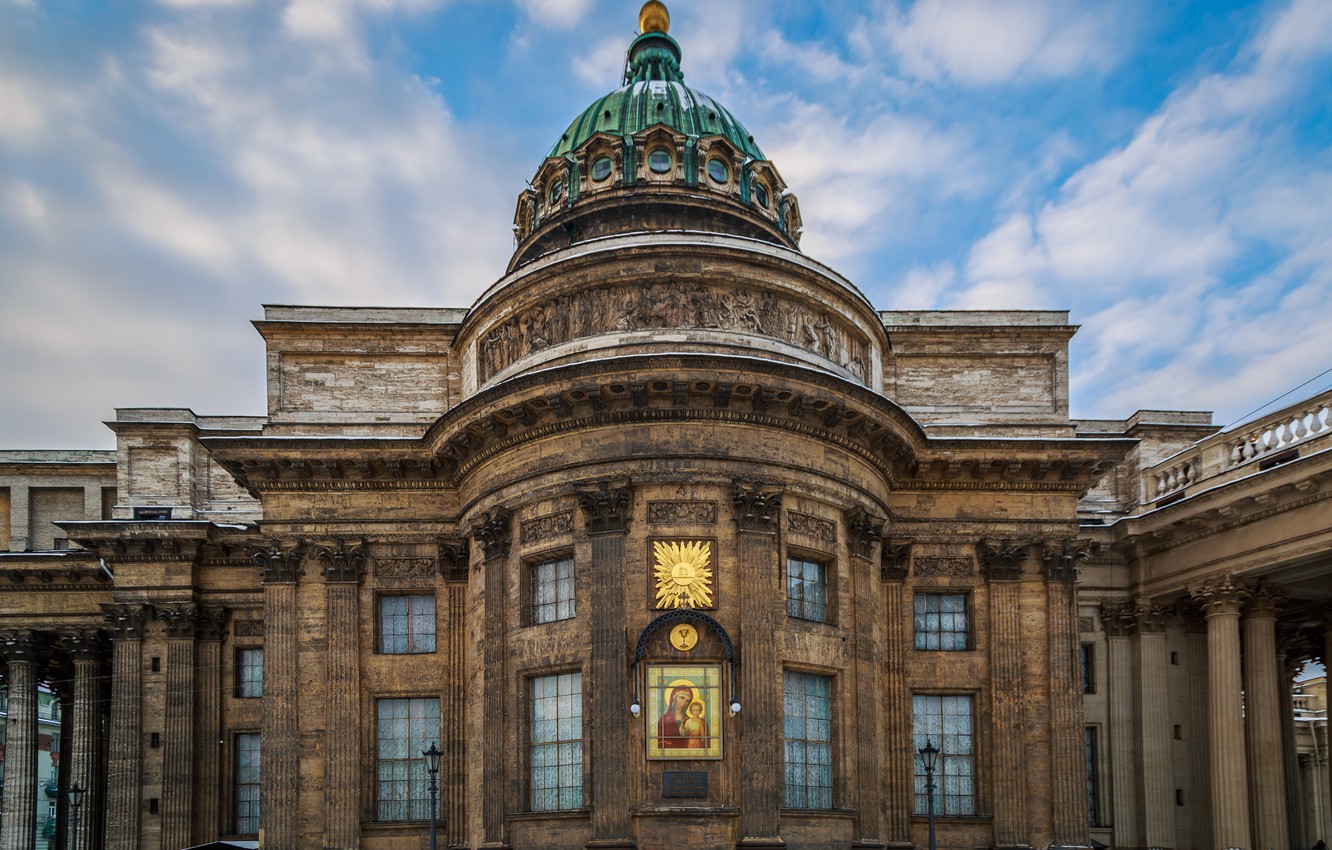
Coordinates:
1211 521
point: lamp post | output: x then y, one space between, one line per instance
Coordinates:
432 767
929 754
75 801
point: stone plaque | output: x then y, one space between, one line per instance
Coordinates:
405 567
546 527
943 566
811 526
248 628
684 513
684 784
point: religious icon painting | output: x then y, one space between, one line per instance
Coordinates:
684 711
682 573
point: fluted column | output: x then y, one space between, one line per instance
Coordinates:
82 752
178 728
125 624
864 531
343 567
1068 757
20 817
757 516
1002 564
899 766
1295 793
1121 623
208 724
454 562
1222 600
1158 774
1267 774
279 739
1196 735
606 515
494 531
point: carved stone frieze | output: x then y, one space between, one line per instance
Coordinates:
343 562
813 527
1001 560
494 531
1086 625
278 564
1120 619
181 619
606 509
545 527
895 561
758 507
404 567
1224 595
944 567
864 530
1061 558
247 628
454 556
682 513
125 622
673 305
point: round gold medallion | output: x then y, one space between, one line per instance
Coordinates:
684 637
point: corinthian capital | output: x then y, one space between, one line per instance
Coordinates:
494 532
125 622
865 530
606 509
1119 618
757 506
1224 595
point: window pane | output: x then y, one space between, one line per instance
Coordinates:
806 590
807 705
945 722
407 728
250 673
406 624
940 621
247 784
553 591
556 744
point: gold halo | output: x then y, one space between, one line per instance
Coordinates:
654 17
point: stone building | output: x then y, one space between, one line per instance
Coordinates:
671 539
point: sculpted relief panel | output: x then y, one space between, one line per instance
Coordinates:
624 309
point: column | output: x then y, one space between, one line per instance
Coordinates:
1295 794
19 831
343 569
1198 795
1326 770
178 728
124 623
208 748
1158 770
864 531
1262 682
606 519
1222 599
757 515
899 768
279 739
82 750
1068 755
1121 623
1002 565
494 531
455 564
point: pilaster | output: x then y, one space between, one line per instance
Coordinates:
87 650
19 830
1068 804
181 621
208 749
454 564
125 625
1121 623
1222 600
606 515
899 767
1262 682
864 531
280 568
343 568
757 518
1158 776
494 532
1002 564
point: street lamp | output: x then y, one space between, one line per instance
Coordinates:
929 755
75 801
432 767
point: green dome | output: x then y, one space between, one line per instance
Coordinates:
654 93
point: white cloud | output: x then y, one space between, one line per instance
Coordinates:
25 203
24 117
603 65
984 42
558 14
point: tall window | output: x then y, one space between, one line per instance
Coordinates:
250 672
807 589
406 624
1093 791
941 621
807 712
557 742
945 721
247 784
1087 656
407 728
553 591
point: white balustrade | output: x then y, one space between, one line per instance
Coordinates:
1279 432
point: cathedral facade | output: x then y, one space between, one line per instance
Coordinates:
671 539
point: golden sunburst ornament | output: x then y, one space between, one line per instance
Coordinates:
684 577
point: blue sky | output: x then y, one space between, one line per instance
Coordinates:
1161 169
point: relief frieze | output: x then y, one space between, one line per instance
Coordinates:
811 526
944 566
546 527
404 567
658 306
683 513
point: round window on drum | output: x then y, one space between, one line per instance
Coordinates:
660 161
601 168
556 192
718 171
761 194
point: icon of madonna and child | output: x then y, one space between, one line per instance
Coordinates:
684 711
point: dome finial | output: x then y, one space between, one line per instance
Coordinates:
654 17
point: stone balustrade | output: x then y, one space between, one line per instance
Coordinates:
1302 427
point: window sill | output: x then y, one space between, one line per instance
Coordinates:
565 814
839 813
953 818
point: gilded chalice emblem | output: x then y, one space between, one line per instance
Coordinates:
684 577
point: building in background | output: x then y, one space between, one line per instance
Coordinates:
671 539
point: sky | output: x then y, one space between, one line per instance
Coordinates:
1160 168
